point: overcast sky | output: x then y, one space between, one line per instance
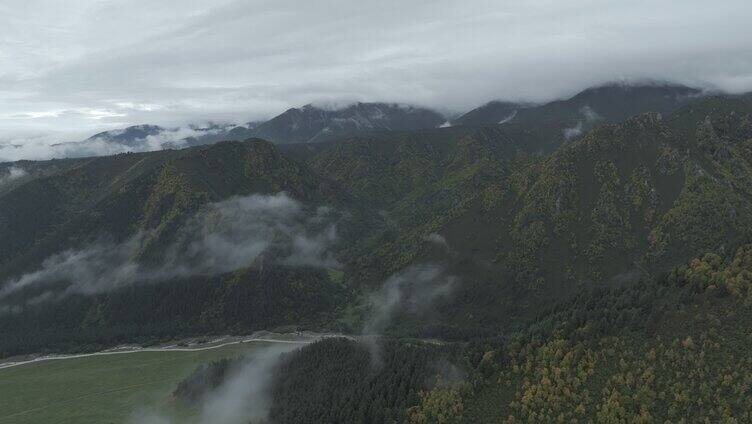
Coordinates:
70 68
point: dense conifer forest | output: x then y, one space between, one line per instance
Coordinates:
500 273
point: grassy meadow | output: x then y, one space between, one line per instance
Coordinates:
101 389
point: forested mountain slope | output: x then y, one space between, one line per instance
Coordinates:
608 103
524 230
668 349
115 221
555 121
603 278
520 222
311 123
671 349
119 195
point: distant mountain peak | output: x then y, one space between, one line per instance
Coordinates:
130 136
492 113
635 88
568 118
141 131
314 123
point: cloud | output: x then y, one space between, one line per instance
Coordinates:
13 173
589 116
243 396
436 238
572 132
508 118
410 291
223 237
234 60
49 146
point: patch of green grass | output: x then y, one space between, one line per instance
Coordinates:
100 389
337 276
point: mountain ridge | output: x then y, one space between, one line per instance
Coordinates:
516 216
563 119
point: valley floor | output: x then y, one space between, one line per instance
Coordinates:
117 384
193 344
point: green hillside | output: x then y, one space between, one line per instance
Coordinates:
600 278
522 228
155 194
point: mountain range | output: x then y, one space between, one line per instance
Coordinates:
311 123
584 260
307 124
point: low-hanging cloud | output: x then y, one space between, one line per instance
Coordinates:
45 146
589 116
243 397
574 131
411 291
222 237
508 118
12 173
441 242
437 239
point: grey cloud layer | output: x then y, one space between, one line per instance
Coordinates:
42 147
87 64
224 237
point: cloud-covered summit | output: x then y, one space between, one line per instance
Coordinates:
88 65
